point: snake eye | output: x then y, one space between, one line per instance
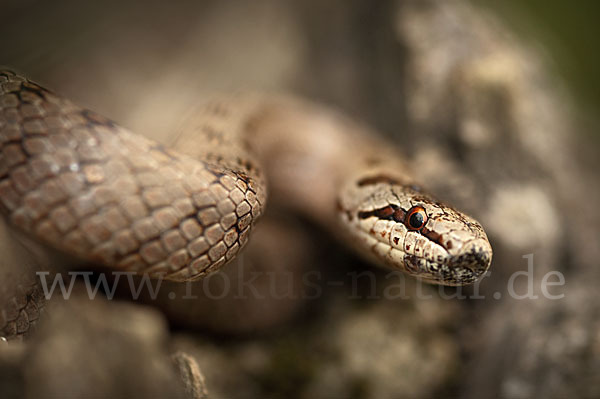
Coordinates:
415 218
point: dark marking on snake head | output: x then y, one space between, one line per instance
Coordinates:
399 215
366 214
385 213
390 212
433 236
371 180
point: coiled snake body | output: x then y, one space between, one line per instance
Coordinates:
79 183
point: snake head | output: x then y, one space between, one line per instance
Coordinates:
406 228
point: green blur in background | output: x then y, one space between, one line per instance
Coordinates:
569 30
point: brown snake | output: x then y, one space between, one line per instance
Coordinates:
80 184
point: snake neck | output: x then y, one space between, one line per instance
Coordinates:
312 155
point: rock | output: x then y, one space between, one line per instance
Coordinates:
96 348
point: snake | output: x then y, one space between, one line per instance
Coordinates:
78 184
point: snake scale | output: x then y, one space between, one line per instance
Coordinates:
78 183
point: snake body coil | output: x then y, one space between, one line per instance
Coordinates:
81 184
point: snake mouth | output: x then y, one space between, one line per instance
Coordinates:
463 268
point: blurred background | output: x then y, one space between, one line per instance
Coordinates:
564 31
494 104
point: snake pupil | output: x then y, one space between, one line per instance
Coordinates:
416 218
